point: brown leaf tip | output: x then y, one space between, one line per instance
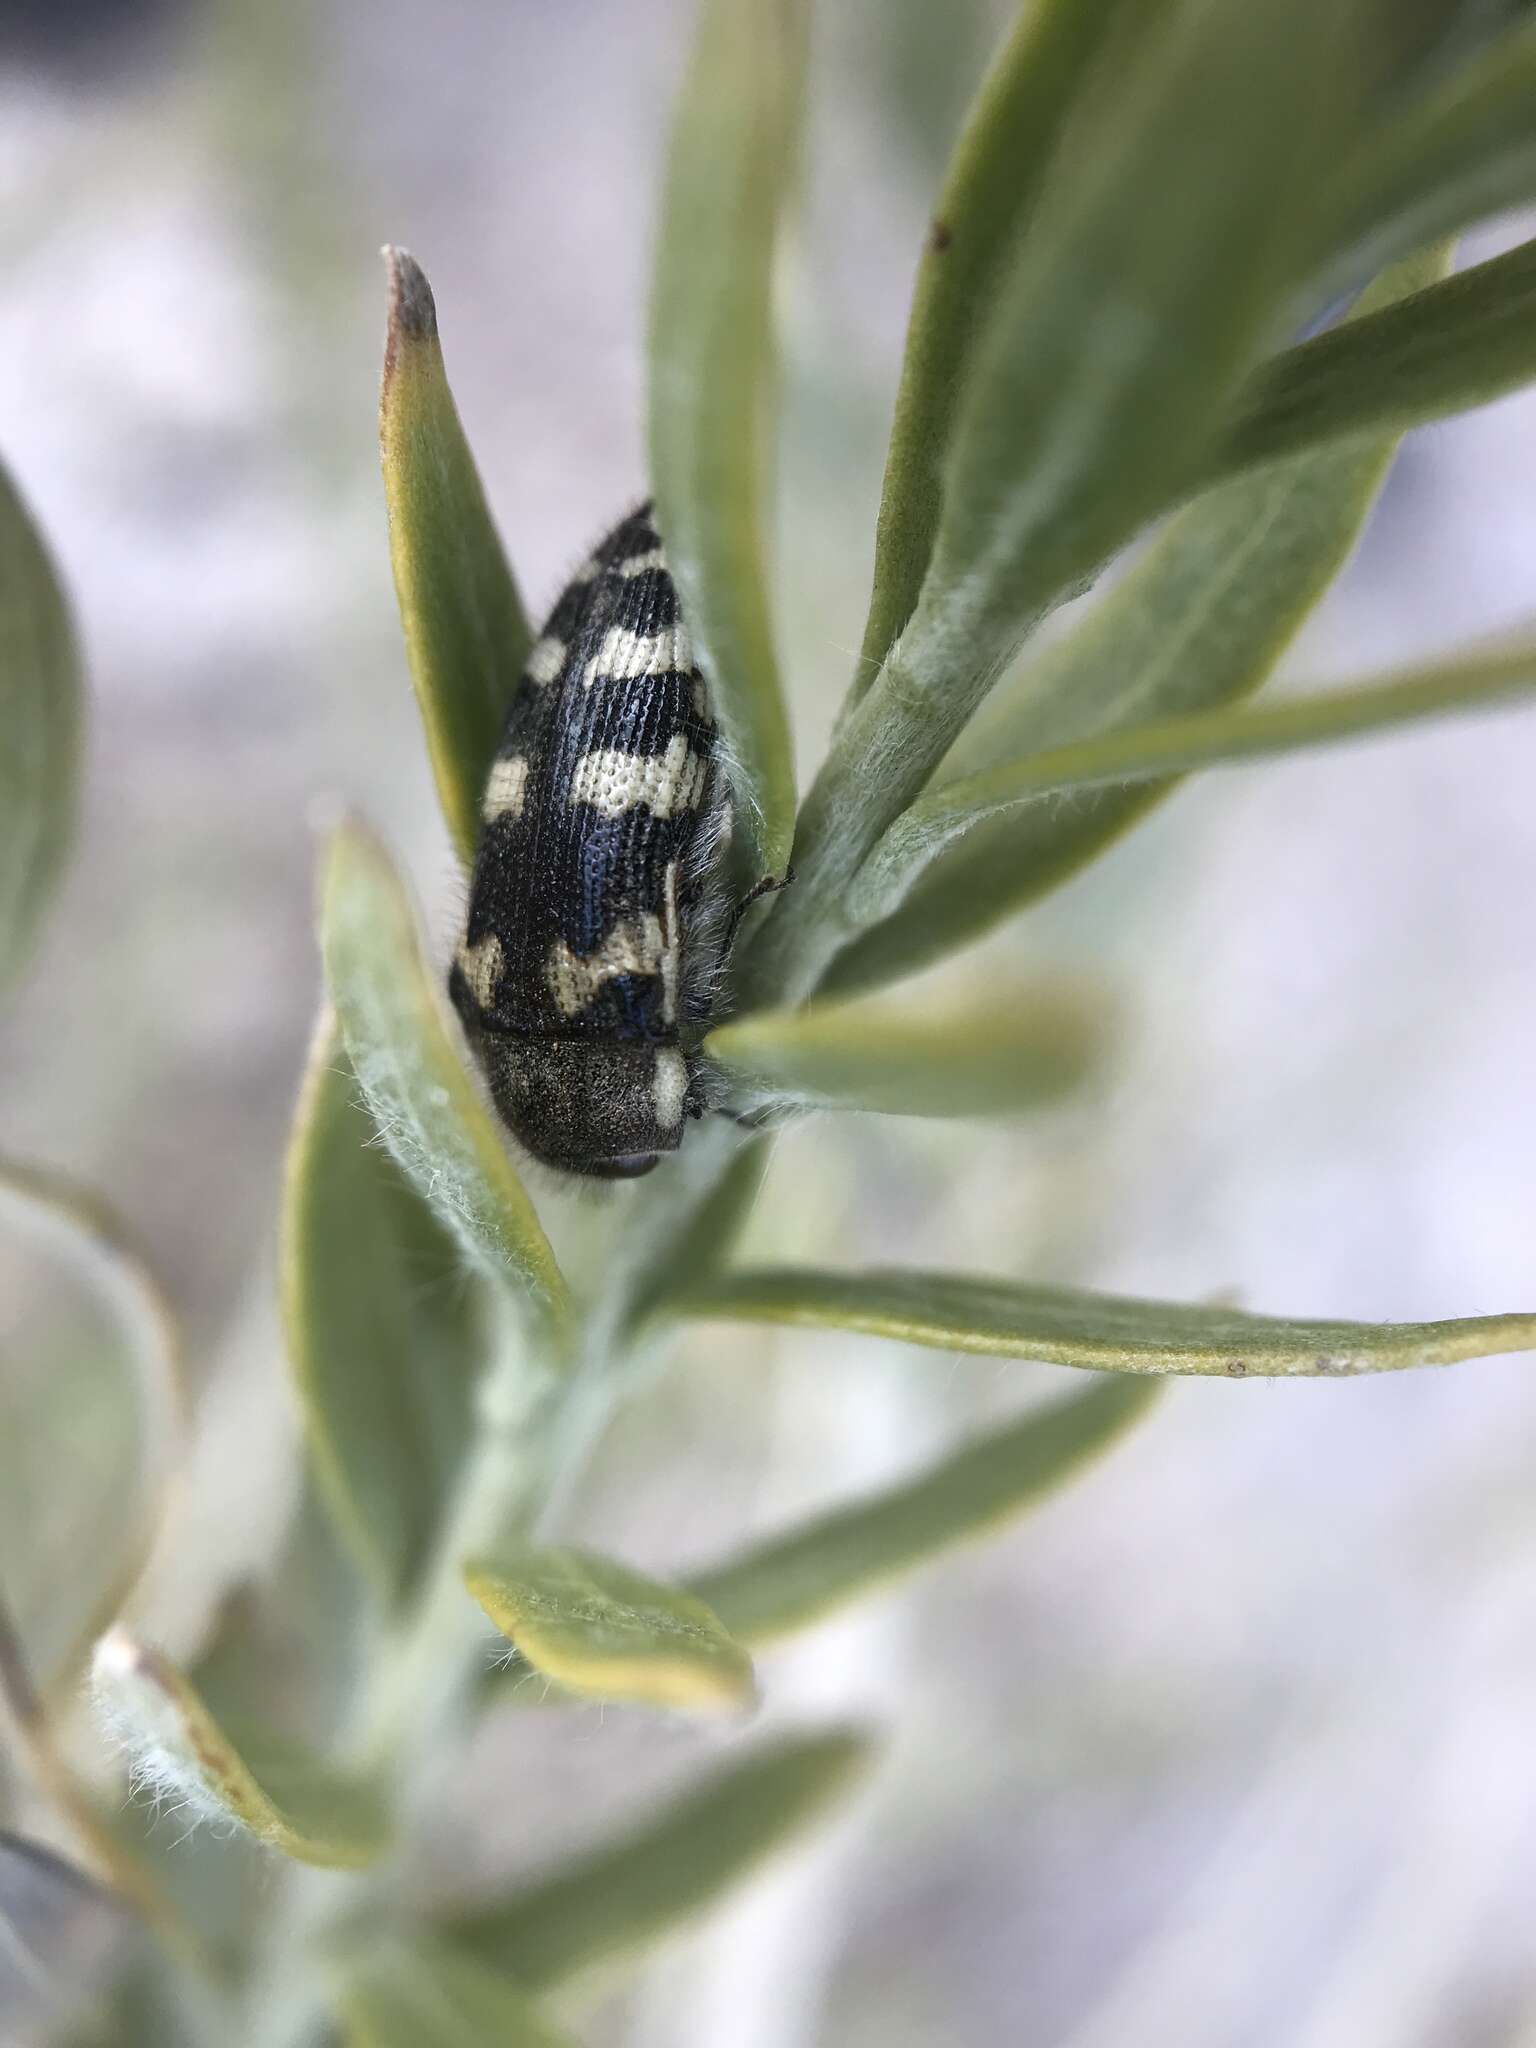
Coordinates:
412 309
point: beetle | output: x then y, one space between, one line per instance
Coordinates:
597 927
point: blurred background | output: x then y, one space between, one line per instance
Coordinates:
1231 1744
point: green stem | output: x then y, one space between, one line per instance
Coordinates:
413 1709
534 1439
882 756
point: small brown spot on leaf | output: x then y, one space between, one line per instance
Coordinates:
1237 1368
940 236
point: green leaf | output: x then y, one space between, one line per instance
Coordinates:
712 377
628 1894
1150 753
1464 150
207 1889
384 1327
92 1419
991 189
420 1995
41 715
426 1108
707 1215
1146 285
1458 344
288 1798
1104 1332
790 1581
606 1632
465 632
154 2002
1199 621
1024 1046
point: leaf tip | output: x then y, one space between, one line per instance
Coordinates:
118 1655
412 308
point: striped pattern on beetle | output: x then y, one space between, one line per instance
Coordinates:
595 935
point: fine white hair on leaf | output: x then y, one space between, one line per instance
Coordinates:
143 1724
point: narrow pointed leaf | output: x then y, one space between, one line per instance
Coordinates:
1175 747
41 716
400 1047
1104 1332
1144 288
1457 344
421 1995
1055 423
789 1581
92 1424
384 1326
627 1894
288 1798
466 635
1025 1047
712 377
1200 621
992 187
603 1631
1465 149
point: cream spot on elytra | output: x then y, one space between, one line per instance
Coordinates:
481 966
546 659
507 788
653 558
614 782
636 945
624 656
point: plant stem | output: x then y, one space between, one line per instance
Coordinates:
537 1427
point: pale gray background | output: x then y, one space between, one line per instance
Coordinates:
1231 1745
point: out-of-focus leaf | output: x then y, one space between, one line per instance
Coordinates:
465 632
712 376
786 1582
1199 621
421 1995
41 714
1455 345
1104 1332
701 1229
1024 1047
1150 753
294 1801
992 187
154 2002
282 1651
1147 283
920 75
383 1326
425 1106
623 1896
1464 150
605 1632
92 1423
61 1935
211 1886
